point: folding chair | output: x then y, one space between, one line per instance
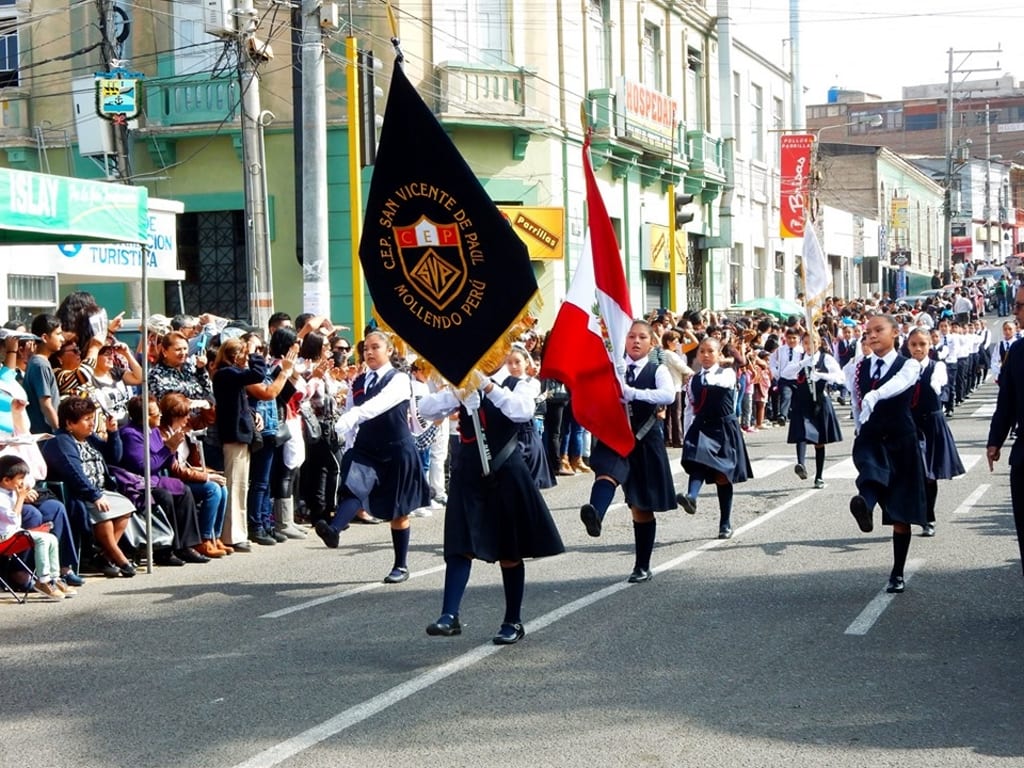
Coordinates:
10 549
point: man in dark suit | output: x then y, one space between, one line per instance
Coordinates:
1008 415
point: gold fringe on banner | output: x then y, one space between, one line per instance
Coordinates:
488 363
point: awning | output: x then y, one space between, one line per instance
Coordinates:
39 208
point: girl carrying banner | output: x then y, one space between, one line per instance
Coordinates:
493 515
813 419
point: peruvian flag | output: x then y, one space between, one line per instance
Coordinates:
586 347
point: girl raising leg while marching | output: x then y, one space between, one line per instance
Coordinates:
885 451
713 447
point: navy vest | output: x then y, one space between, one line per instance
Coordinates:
711 403
925 400
640 412
889 417
390 427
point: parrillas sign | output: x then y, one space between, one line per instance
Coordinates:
542 229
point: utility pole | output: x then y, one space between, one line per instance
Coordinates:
988 184
316 288
105 9
253 119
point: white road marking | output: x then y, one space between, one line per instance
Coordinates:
765 467
867 618
358 713
985 411
968 460
347 593
842 470
845 470
972 499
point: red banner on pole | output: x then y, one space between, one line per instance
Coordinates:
795 162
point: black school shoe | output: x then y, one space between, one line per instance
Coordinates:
509 634
446 626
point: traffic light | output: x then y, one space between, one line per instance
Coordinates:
683 216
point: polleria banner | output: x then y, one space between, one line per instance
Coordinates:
795 161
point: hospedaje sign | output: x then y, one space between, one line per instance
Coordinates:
645 116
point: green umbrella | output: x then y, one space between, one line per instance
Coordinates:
773 305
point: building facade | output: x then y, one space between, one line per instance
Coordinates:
674 103
987 130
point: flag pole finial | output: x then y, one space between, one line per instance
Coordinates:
395 40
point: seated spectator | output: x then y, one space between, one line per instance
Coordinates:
77 457
209 488
41 506
170 493
13 492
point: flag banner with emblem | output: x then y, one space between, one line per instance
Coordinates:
447 273
587 344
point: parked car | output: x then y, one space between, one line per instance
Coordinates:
990 271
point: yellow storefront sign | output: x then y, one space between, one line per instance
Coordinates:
655 257
542 229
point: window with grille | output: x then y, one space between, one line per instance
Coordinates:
32 290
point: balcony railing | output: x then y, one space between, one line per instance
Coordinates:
14 117
705 153
190 100
484 91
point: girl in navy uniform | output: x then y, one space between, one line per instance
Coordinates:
941 458
381 471
499 516
529 439
813 419
886 451
713 447
645 474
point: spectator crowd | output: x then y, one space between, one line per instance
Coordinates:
247 435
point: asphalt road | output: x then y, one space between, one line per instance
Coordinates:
775 648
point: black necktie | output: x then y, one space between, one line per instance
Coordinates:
371 379
878 371
631 375
791 354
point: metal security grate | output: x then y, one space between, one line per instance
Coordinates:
211 251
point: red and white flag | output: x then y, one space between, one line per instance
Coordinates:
586 347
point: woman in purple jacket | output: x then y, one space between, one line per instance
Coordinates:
170 493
